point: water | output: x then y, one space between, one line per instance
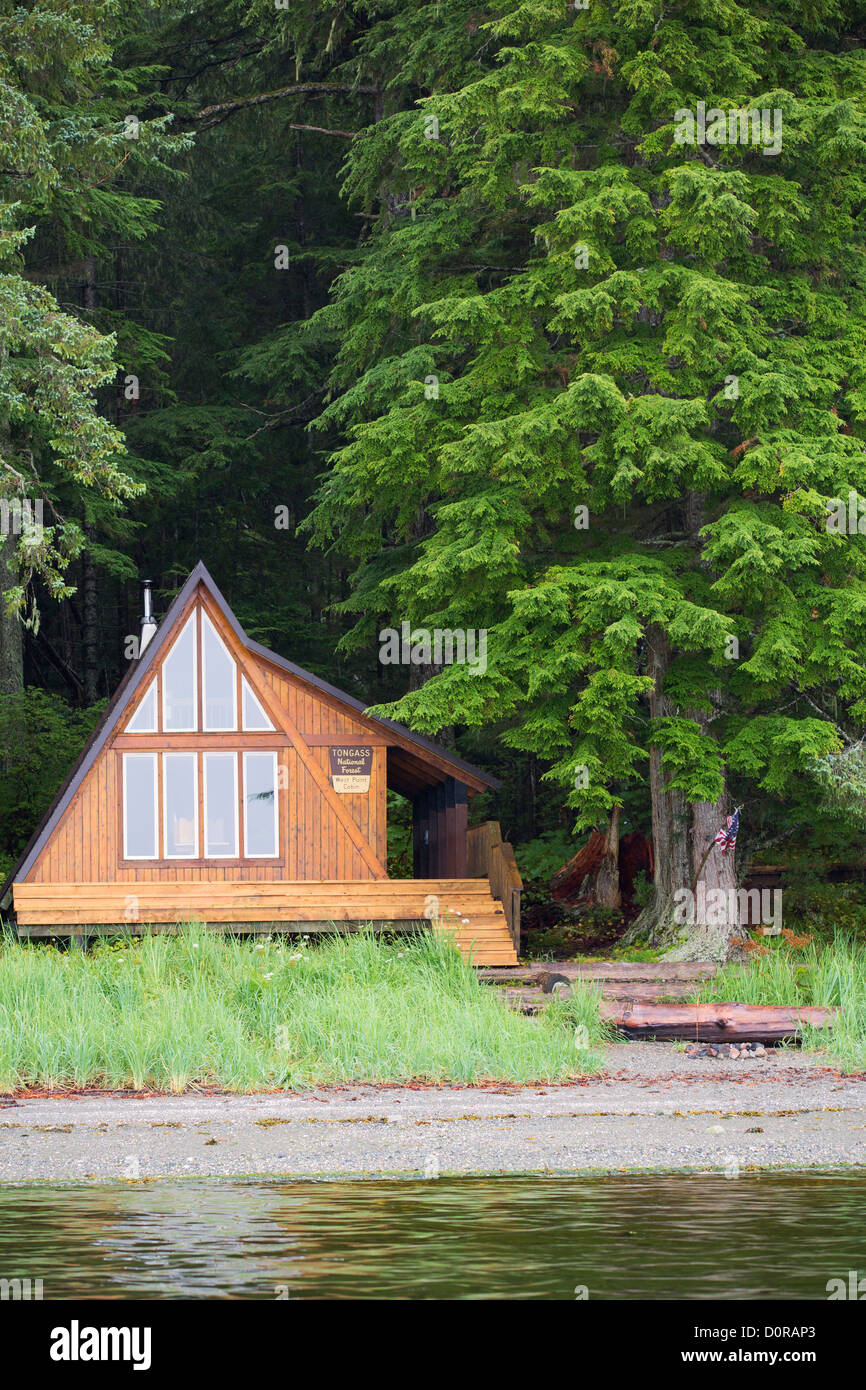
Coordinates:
768 1236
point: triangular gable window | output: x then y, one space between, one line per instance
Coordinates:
219 679
144 719
179 684
255 718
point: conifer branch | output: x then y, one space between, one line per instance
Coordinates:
220 111
325 130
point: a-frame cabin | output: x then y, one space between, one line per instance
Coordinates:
226 785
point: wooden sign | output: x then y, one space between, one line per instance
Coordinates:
351 767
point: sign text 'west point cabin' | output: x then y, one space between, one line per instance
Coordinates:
226 785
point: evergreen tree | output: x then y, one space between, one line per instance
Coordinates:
65 135
565 304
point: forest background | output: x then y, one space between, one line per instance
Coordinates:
429 312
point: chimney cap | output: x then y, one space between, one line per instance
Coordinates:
148 621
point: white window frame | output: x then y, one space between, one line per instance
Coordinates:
221 753
258 753
180 753
154 759
168 655
217 728
246 689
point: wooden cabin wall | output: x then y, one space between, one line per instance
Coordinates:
320 841
86 846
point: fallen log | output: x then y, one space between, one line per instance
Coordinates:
624 972
716 1022
661 971
645 992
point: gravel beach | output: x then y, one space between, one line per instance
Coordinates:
652 1108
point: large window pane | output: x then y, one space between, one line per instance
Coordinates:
180 805
221 805
219 678
254 716
179 683
260 804
139 806
144 719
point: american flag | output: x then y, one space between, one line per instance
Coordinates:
727 836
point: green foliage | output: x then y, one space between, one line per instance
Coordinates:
594 930
63 142
400 842
538 859
40 737
829 976
599 380
826 909
442 244
842 775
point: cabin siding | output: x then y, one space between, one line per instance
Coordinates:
86 847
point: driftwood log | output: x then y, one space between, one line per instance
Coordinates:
716 1022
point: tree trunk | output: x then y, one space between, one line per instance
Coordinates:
692 910
90 622
575 881
607 883
670 814
89 604
710 935
421 672
714 922
592 875
11 634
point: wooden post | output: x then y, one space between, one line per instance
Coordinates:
429 828
456 811
439 822
416 837
422 837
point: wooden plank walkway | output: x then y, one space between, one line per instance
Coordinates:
636 982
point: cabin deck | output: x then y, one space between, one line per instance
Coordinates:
464 907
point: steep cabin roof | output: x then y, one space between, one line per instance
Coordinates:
414 762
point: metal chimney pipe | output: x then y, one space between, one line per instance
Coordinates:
148 621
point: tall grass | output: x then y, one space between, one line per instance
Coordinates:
169 1012
830 975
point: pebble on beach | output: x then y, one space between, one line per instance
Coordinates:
729 1050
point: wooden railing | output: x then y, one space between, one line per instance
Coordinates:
491 857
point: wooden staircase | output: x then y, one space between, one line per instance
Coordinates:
476 922
491 859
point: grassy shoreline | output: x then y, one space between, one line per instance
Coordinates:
201 1010
830 975
166 1013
